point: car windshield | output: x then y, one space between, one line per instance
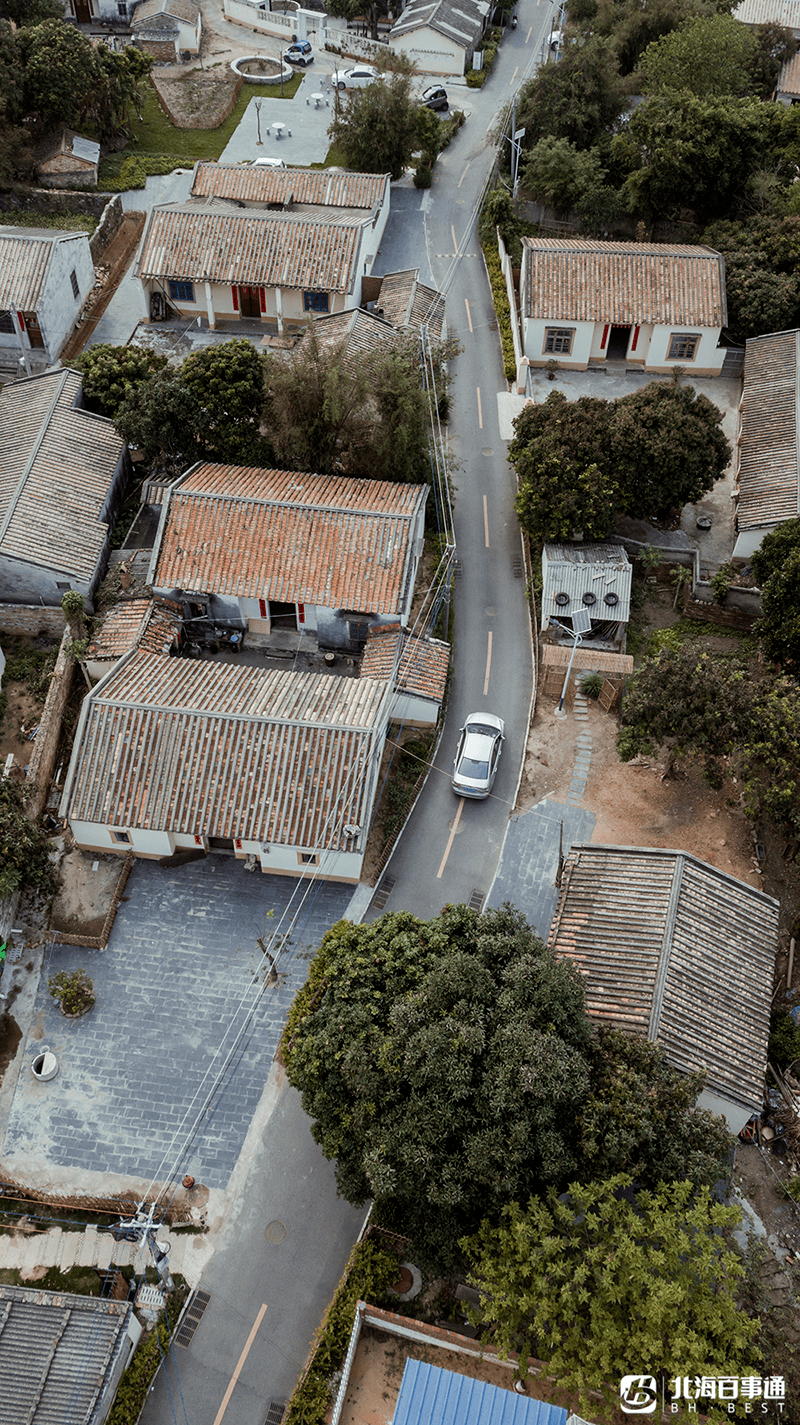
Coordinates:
473 767
477 729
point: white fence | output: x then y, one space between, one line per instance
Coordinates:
327 31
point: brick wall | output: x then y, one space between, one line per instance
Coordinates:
42 763
32 619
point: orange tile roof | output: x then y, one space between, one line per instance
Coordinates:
290 537
423 664
578 279
263 249
250 183
143 622
228 750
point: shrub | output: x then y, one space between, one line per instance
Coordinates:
422 175
132 174
73 990
476 78
592 685
24 860
502 310
721 582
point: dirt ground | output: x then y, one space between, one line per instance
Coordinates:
86 892
22 710
196 98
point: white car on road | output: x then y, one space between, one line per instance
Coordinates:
477 759
356 78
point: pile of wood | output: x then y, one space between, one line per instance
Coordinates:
789 1089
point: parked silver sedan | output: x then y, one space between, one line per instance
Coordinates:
477 759
356 78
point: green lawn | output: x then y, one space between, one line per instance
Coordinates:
161 146
72 222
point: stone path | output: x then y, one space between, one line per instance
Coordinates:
583 755
26 1251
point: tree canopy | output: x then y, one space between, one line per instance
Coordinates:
443 1063
668 446
576 99
611 1274
68 80
110 374
377 126
710 54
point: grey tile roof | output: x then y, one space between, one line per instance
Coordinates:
57 465
586 280
186 10
458 20
276 534
406 302
57 1351
25 255
588 574
326 188
769 474
674 949
227 750
266 249
785 13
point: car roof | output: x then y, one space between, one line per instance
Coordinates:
485 720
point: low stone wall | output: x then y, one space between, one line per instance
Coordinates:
107 228
99 942
42 200
32 619
42 763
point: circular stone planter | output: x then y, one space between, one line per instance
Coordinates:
45 1065
703 522
78 1013
408 1270
274 76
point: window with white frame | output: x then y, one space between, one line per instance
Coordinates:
683 346
558 340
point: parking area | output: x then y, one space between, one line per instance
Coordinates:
167 1070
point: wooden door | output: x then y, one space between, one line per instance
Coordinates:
34 330
83 12
249 302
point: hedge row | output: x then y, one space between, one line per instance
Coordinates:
502 309
369 1273
137 1378
131 172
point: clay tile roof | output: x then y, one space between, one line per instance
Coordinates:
769 474
227 750
405 301
676 950
290 537
150 624
423 662
583 280
251 183
57 466
263 249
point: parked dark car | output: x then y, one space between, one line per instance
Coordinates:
299 53
435 97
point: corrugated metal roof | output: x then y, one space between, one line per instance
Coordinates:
57 465
423 664
57 1351
227 750
672 948
769 473
430 1395
579 279
250 183
25 255
87 149
785 13
295 538
263 249
588 574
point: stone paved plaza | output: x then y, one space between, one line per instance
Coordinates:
174 989
529 862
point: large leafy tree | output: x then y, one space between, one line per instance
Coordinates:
15 153
226 383
669 447
371 10
701 702
775 548
158 416
110 374
774 46
778 628
710 55
611 1275
62 74
377 126
443 1063
566 178
640 1117
576 99
558 501
25 13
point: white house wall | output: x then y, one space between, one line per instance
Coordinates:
708 359
433 53
582 346
277 860
651 350
58 309
288 309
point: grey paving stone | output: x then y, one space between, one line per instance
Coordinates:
529 862
179 978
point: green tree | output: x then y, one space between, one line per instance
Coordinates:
709 56
771 755
158 416
635 26
110 374
564 177
669 448
24 859
558 502
778 628
774 46
701 702
226 383
759 298
377 128
16 154
775 548
640 1117
576 99
443 1064
612 1274
121 75
63 75
25 13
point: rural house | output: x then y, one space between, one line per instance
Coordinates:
680 952
594 577
416 665
45 278
258 187
769 480
264 549
63 471
225 262
653 306
273 765
168 29
440 36
66 160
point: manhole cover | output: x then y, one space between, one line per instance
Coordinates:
487 450
276 1232
404 1282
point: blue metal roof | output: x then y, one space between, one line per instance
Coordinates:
432 1396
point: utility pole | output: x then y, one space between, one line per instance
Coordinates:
142 1228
